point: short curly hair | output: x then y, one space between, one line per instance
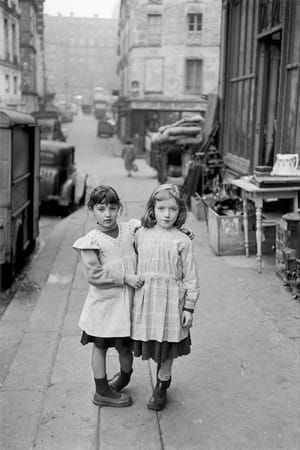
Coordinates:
104 194
164 192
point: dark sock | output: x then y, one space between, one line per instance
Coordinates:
123 379
101 385
125 376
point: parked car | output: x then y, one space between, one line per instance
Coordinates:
19 190
105 128
60 181
50 125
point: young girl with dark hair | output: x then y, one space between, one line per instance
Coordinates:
110 264
163 307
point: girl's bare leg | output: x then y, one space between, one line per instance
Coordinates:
165 370
99 362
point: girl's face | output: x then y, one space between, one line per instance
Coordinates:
166 212
106 214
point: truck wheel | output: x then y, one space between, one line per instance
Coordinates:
10 271
20 254
30 247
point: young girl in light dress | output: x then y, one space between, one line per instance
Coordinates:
162 311
110 264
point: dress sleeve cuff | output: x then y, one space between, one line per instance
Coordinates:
189 304
119 280
190 310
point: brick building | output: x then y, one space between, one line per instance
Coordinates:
168 61
10 68
81 53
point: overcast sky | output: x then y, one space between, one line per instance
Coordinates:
81 8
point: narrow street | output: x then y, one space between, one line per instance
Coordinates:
239 388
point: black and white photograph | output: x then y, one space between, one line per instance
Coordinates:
150 225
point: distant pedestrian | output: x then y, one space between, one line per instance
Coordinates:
163 307
110 263
129 155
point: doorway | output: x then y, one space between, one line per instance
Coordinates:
267 99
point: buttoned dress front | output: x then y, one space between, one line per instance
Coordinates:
167 264
107 308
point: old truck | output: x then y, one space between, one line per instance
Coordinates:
19 190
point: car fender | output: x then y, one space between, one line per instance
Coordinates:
80 186
66 193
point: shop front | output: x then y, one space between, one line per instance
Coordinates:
138 118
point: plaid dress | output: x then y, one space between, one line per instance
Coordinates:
167 264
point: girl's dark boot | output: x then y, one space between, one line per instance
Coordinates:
106 396
158 398
120 380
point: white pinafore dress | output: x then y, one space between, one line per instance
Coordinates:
107 307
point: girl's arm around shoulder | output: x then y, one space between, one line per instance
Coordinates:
190 275
134 225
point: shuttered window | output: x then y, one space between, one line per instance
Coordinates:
193 77
154 29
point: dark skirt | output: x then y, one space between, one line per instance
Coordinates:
104 343
160 351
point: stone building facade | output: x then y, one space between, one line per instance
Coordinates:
81 54
10 67
168 61
31 52
40 57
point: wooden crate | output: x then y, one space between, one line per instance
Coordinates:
226 234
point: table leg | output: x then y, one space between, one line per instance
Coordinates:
245 223
295 203
259 236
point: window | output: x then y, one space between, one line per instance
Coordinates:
193 79
194 23
7 84
15 85
6 39
154 29
14 44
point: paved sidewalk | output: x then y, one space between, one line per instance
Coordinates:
239 388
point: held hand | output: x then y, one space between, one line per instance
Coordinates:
134 281
186 319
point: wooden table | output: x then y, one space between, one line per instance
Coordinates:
258 194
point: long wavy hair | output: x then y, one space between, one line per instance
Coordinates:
164 192
104 194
